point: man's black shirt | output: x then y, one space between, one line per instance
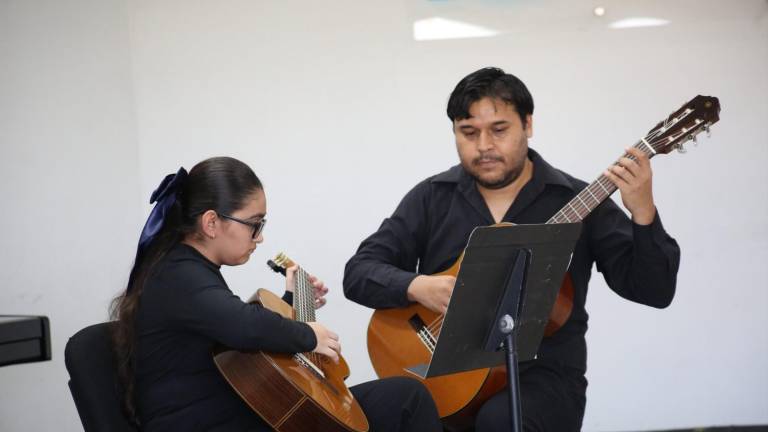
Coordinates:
431 226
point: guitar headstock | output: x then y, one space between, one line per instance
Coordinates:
684 124
280 263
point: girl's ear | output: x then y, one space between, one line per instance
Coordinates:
209 224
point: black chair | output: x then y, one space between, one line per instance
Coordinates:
93 380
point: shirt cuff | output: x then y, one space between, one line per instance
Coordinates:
392 288
648 237
288 297
310 340
400 283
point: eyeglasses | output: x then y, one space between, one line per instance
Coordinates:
257 227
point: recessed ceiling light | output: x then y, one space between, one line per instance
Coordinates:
635 22
436 28
599 11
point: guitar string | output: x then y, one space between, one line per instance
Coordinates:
302 309
309 306
434 327
303 314
607 186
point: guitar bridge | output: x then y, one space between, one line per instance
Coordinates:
307 363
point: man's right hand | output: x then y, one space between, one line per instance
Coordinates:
327 341
434 292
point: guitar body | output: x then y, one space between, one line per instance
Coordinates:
454 393
287 395
458 396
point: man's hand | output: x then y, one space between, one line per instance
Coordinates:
633 178
434 292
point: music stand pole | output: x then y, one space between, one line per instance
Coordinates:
507 326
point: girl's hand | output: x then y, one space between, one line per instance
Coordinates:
320 290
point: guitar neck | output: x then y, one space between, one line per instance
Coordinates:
593 195
303 297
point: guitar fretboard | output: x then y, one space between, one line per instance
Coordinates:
590 197
304 297
681 125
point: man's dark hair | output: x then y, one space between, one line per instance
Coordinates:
493 83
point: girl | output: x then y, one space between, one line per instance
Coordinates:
177 307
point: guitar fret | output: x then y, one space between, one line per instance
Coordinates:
589 189
304 297
583 203
574 210
603 187
571 213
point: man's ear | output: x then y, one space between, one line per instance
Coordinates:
209 223
529 126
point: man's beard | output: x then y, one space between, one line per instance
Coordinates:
505 180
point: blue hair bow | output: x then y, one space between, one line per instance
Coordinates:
165 195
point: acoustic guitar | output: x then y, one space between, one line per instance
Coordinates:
300 392
403 337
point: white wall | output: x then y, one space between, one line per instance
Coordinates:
340 112
68 181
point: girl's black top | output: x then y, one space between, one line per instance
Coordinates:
185 310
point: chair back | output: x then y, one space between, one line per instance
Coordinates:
93 380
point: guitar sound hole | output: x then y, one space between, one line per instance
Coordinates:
416 322
421 329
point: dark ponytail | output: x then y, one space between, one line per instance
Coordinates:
222 184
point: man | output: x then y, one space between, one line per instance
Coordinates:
501 180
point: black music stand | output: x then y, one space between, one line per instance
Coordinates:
505 290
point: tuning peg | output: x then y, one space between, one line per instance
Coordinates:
681 148
692 138
706 129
